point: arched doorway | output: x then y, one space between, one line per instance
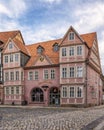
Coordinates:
54 96
37 95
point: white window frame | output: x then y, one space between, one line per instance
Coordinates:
71 51
79 50
30 75
46 74
11 76
64 72
71 94
79 71
17 90
64 52
64 92
6 58
10 45
36 75
7 90
17 75
71 72
6 76
79 92
11 57
52 74
12 90
16 57
71 36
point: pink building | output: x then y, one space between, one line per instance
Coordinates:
65 72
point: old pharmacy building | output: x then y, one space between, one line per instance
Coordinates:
64 72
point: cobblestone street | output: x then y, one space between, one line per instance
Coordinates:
28 118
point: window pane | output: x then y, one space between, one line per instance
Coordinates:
30 75
64 72
17 90
16 57
17 75
6 76
6 59
79 92
71 36
52 74
71 51
11 75
64 92
63 51
79 71
36 75
46 74
12 90
11 57
72 93
79 50
71 73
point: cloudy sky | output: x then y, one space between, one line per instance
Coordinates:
41 20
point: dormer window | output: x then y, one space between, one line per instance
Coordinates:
40 50
55 47
71 36
10 45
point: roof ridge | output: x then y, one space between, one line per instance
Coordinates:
10 31
43 42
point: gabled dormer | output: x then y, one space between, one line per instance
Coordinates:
40 49
55 47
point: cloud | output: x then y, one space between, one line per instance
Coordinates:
51 1
12 8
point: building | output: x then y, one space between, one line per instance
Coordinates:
64 71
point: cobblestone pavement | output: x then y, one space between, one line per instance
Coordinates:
47 118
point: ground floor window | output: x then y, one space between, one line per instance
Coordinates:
37 95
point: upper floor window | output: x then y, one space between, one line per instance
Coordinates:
79 50
63 51
7 90
30 76
16 57
11 57
40 49
64 92
22 76
72 92
36 75
46 75
17 75
71 73
64 72
10 45
79 71
12 76
17 90
79 91
71 51
6 59
55 47
71 36
12 90
6 76
53 74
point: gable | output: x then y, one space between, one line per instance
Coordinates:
10 47
41 61
71 37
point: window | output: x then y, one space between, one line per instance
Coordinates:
79 50
46 76
56 47
40 49
64 92
79 91
71 73
72 93
11 57
12 76
79 71
64 72
22 76
6 76
10 45
7 90
52 74
71 36
17 90
36 75
17 75
16 57
12 90
30 75
6 59
63 51
71 51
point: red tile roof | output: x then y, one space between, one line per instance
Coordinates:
48 46
4 36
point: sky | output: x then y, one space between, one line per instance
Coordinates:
42 20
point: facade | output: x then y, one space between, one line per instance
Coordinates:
65 72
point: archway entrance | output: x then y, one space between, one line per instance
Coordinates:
37 95
54 96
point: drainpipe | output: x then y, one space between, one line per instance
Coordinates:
86 80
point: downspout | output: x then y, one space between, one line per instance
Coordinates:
86 80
